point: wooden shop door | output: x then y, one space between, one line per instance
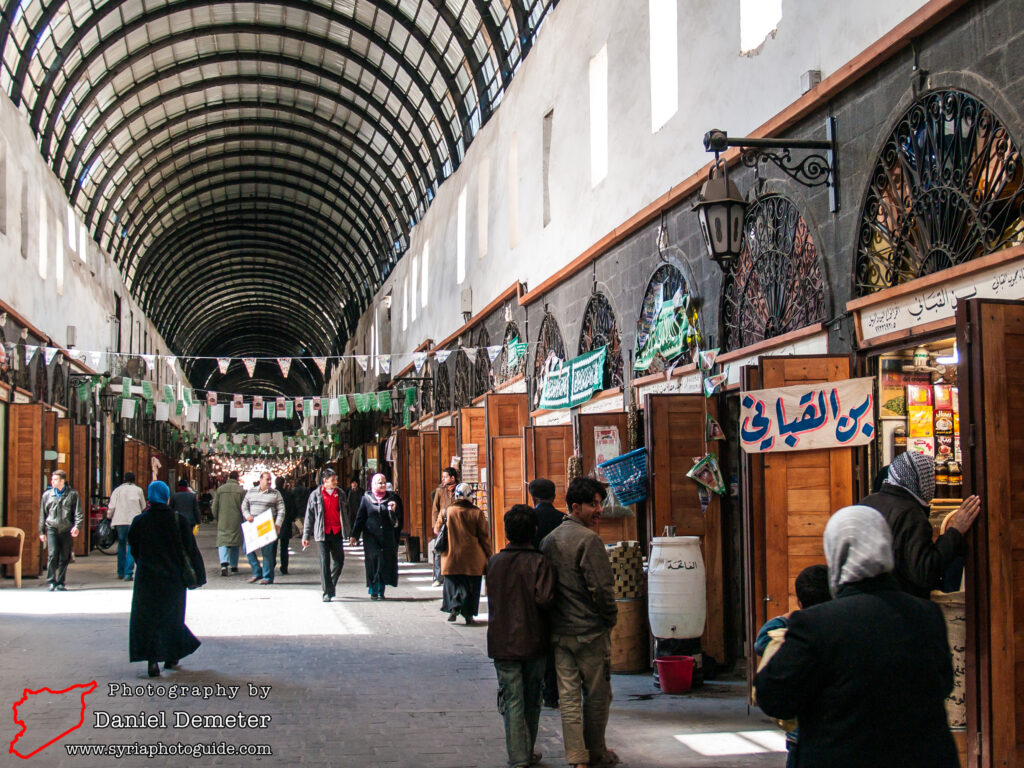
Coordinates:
752 504
548 455
506 416
430 446
990 339
25 479
801 488
473 431
449 449
415 516
81 465
674 427
617 528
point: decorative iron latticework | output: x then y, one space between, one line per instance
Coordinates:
550 349
59 388
482 368
664 283
42 387
600 328
948 187
504 368
775 286
464 379
442 389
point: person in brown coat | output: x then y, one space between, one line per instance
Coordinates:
463 565
444 495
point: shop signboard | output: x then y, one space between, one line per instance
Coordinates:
938 302
838 414
574 382
668 335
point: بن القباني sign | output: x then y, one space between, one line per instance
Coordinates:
574 382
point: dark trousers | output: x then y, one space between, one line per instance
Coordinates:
330 549
550 680
283 545
58 555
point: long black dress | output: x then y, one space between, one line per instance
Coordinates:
157 630
380 530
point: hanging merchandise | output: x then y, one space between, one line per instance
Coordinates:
418 360
442 355
712 383
285 364
321 363
707 472
128 407
223 363
707 359
704 497
250 365
712 429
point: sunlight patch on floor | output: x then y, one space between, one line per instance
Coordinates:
737 743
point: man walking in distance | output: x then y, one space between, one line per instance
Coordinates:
126 501
323 524
227 511
258 500
581 622
548 518
520 588
60 519
352 499
444 495
290 514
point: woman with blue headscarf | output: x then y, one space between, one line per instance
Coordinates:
904 500
161 540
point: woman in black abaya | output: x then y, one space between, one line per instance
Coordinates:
379 522
160 540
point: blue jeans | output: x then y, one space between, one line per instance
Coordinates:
269 555
228 555
125 561
519 686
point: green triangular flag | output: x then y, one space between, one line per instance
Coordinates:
271 411
307 407
147 390
187 394
406 416
343 404
83 391
126 386
384 401
179 408
149 407
289 408
168 393
410 395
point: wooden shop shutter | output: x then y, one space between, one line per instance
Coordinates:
507 484
414 512
618 528
25 481
675 437
449 448
429 449
801 488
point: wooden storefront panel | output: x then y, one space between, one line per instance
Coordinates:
674 437
801 488
415 515
618 528
552 447
990 337
508 485
752 494
25 479
429 450
473 431
449 448
506 414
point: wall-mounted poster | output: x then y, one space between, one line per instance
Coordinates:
607 444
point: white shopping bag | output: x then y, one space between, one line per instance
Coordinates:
259 532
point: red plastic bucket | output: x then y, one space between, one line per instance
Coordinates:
675 673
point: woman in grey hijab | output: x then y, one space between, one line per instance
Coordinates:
867 673
903 502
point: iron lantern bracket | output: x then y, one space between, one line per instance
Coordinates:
820 168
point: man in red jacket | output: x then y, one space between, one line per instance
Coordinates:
520 585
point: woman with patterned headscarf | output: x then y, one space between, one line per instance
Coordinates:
379 522
903 502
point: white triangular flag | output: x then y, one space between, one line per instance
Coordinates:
95 359
242 414
163 411
334 409
471 354
257 413
128 408
193 413
30 352
363 361
223 363
150 361
285 363
217 413
170 360
418 359
250 365
321 363
493 352
77 354
385 363
48 354
442 355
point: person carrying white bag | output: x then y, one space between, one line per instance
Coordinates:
261 528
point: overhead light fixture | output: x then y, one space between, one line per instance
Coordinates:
720 208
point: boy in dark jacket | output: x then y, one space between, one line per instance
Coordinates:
520 585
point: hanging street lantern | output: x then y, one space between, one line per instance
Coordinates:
720 208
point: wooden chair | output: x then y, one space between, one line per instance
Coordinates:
12 543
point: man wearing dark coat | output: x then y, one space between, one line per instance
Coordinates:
185 503
353 498
548 518
379 522
161 539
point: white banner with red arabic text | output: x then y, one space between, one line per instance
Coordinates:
806 417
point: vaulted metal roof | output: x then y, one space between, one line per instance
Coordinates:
255 167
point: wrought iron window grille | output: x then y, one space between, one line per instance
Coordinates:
600 328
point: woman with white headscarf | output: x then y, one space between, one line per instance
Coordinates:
903 502
379 522
867 673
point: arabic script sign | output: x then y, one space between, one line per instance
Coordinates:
806 417
1004 281
574 382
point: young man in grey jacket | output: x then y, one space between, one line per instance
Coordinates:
257 501
581 622
60 519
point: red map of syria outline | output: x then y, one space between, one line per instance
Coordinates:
87 688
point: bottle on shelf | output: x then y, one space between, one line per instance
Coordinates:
941 480
956 481
899 440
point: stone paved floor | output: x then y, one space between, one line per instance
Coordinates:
352 683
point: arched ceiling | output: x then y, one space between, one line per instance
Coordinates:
254 168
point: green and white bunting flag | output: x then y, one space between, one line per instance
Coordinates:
179 408
289 408
168 393
271 411
574 382
83 391
126 386
343 407
147 391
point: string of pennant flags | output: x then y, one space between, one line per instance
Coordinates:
94 359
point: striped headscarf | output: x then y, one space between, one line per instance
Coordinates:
858 545
914 473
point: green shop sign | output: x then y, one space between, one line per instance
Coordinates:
574 382
668 336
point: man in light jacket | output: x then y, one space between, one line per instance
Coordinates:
581 623
257 501
126 501
60 519
227 511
